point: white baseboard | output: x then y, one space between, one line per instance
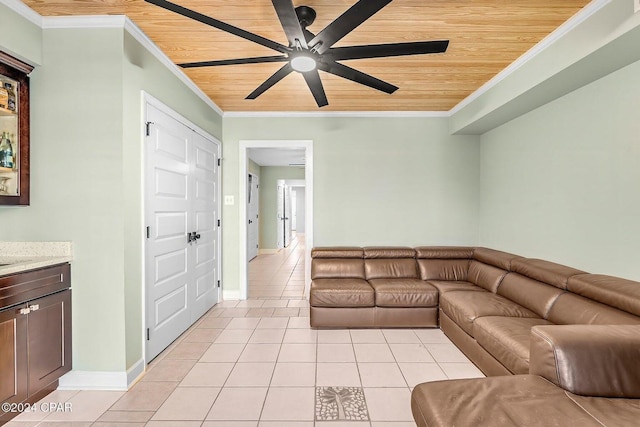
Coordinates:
101 380
135 372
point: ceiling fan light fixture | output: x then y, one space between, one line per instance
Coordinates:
303 63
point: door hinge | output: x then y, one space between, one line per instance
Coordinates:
148 232
147 334
219 161
148 131
219 223
218 283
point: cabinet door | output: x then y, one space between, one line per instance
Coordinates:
49 339
13 356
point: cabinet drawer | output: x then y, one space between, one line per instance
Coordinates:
22 287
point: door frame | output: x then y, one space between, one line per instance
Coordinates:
258 207
149 100
244 145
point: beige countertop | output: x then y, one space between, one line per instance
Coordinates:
16 257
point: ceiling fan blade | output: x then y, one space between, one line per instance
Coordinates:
255 60
315 85
220 25
384 50
289 20
275 78
354 75
347 22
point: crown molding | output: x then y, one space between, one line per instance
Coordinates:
83 21
328 114
577 19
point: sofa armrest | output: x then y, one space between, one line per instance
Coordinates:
589 360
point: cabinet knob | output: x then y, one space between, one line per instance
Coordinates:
25 311
34 307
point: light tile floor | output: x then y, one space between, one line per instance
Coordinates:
238 367
280 275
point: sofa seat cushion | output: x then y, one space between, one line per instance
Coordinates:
504 401
507 339
610 411
341 293
404 293
464 307
454 285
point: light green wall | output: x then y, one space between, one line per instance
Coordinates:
268 209
561 182
377 181
20 37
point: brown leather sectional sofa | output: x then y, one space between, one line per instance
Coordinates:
500 309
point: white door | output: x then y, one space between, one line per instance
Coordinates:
280 214
287 215
206 213
252 215
294 212
283 202
181 197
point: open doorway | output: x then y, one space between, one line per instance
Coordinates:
291 163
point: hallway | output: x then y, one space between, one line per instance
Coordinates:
279 275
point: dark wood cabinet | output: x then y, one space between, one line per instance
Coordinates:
35 334
14 131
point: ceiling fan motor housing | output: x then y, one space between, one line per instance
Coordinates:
306 15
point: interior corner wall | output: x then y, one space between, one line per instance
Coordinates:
561 182
268 201
377 180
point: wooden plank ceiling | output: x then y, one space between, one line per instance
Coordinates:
485 37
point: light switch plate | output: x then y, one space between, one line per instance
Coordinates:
229 200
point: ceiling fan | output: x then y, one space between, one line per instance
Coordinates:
307 52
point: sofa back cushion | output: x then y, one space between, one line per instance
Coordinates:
485 275
386 268
443 262
383 252
496 258
443 269
381 262
336 268
573 309
614 291
444 252
544 271
337 262
532 294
